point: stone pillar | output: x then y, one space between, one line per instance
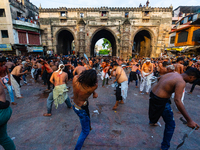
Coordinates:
126 51
81 37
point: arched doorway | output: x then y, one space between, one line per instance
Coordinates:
103 33
142 44
65 42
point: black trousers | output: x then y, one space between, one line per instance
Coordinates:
196 82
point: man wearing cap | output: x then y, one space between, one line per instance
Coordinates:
146 74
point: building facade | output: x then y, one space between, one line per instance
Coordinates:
19 27
131 31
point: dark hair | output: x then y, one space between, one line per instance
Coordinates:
192 72
115 63
80 63
88 78
179 59
165 63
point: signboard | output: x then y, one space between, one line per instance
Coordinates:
35 49
5 47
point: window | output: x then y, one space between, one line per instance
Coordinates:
195 17
185 20
182 37
190 18
126 14
4 33
2 13
146 13
182 21
19 14
81 15
196 35
173 22
172 40
63 14
103 14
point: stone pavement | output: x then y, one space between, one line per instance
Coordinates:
124 129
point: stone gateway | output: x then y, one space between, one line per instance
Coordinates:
131 31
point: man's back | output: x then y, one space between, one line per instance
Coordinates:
79 69
59 79
16 70
179 68
167 85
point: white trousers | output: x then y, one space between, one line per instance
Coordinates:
32 72
145 82
182 98
15 86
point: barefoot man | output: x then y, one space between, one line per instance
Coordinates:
59 94
122 80
15 79
79 69
84 85
159 103
5 114
146 74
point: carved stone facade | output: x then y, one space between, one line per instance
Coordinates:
119 25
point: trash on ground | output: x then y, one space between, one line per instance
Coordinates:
96 111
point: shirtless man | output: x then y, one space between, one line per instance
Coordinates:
122 80
160 102
178 66
146 74
15 79
59 94
84 85
5 114
53 66
79 69
133 75
38 69
162 68
10 64
33 61
5 79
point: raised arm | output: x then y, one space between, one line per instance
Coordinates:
178 95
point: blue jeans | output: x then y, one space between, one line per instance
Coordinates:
85 124
168 118
10 91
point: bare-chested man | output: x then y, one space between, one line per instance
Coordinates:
59 94
146 74
15 79
133 74
5 114
38 69
122 80
84 85
160 102
162 68
78 69
5 79
10 64
33 62
178 66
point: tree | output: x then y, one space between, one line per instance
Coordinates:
106 43
104 52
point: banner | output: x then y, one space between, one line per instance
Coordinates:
5 47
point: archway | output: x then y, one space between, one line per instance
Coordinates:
103 33
65 42
142 44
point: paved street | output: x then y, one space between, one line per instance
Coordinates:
125 129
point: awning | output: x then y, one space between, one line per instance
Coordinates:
5 47
34 49
182 48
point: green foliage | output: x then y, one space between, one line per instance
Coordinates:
106 43
104 52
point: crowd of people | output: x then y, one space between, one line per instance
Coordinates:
168 75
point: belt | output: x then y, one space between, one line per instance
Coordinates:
78 107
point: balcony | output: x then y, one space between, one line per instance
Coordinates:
27 24
17 4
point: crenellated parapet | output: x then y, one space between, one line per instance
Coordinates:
97 9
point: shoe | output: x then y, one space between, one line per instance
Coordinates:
25 82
